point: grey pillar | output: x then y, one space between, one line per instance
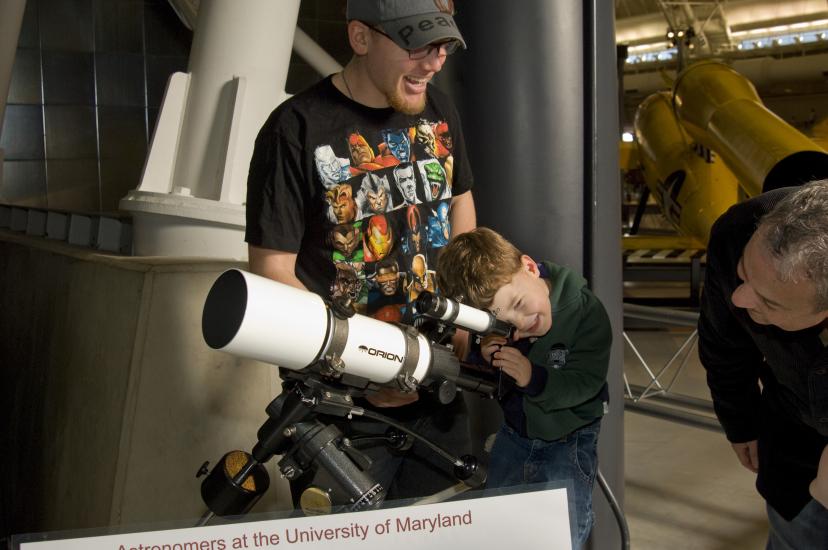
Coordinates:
537 93
602 176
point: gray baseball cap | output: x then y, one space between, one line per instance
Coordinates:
411 24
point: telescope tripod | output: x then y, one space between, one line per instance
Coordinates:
299 428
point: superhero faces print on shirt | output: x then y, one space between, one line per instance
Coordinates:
362 156
414 239
406 183
374 194
439 227
387 277
435 183
397 144
389 313
386 300
445 146
346 241
332 169
348 286
342 208
386 202
425 141
378 238
419 278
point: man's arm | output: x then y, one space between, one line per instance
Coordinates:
274 264
731 360
462 218
461 214
729 356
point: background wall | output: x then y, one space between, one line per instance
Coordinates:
109 397
88 81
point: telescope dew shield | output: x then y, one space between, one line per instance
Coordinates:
258 318
252 316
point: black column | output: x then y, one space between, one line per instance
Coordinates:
538 94
521 97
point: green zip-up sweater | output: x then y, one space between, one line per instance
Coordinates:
575 357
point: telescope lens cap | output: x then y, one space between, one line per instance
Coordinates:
314 501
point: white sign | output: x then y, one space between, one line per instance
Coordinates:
537 519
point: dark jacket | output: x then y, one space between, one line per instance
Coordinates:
789 414
567 389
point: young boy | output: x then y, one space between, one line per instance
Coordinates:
556 363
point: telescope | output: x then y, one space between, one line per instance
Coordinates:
328 355
477 321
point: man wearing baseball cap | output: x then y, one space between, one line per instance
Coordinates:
422 30
373 116
411 24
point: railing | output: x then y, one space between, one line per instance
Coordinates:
661 401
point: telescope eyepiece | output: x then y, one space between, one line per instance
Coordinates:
431 305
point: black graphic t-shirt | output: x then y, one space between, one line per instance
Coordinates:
361 194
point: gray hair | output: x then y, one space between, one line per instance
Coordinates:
796 234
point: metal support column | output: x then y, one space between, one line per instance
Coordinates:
537 92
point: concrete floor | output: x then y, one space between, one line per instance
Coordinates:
685 489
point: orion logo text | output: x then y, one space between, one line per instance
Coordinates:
379 353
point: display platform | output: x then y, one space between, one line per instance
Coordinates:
536 519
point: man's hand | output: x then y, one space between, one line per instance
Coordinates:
819 486
513 363
748 455
389 397
460 342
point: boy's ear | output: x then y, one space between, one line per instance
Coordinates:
529 265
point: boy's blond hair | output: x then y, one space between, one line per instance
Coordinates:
475 265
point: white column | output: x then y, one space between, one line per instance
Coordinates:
190 200
249 39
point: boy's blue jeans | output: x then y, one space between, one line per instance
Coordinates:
573 459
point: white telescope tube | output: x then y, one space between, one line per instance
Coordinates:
476 321
262 319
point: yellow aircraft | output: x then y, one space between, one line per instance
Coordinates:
709 143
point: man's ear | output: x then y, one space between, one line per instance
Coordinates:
529 265
358 37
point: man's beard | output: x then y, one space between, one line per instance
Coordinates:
396 101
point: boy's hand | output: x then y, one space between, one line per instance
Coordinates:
490 344
513 363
